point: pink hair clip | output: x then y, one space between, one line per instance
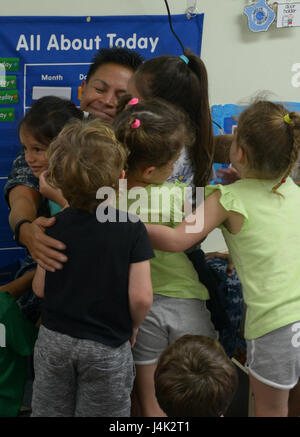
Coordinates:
133 101
136 124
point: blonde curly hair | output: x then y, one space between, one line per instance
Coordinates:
84 157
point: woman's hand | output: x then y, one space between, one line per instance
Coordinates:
43 249
222 255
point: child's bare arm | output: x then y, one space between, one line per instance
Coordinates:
192 230
38 283
140 292
19 286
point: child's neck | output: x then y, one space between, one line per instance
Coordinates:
246 173
135 181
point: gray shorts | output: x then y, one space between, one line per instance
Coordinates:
274 358
81 378
168 319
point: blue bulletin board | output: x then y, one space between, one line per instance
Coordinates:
54 53
51 55
226 116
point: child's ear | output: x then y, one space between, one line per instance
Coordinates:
147 172
241 156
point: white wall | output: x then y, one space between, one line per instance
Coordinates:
239 62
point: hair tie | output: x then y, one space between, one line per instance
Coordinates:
287 119
133 101
184 59
283 180
136 124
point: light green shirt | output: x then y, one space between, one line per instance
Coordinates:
266 251
172 274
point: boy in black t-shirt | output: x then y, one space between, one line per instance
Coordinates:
95 304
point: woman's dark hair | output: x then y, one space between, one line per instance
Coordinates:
115 55
47 116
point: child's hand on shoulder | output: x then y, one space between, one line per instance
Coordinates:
45 188
49 192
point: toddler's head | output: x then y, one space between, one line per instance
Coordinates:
270 137
84 157
41 124
195 378
154 133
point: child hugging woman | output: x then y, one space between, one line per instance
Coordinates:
95 304
155 132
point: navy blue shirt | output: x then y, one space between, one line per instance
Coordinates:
88 298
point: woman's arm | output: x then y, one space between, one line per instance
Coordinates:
38 283
19 286
24 203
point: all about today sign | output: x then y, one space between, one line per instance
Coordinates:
52 55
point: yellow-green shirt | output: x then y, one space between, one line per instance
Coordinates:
172 274
266 251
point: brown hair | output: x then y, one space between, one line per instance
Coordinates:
163 131
47 116
270 142
195 378
83 158
186 86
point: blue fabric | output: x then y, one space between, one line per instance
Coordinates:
231 288
226 300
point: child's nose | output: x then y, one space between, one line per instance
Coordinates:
29 157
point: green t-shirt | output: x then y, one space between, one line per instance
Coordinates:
17 339
172 274
266 251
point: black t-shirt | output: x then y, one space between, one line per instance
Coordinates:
88 298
